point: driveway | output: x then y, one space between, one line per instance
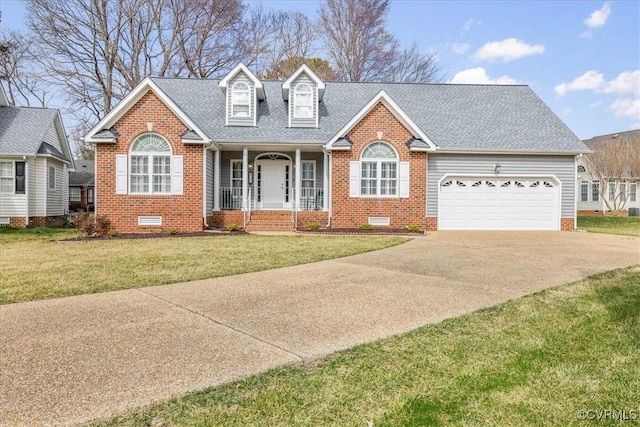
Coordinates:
70 360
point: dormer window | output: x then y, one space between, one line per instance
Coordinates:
240 100
303 102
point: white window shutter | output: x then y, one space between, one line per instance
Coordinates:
354 179
404 179
177 174
121 174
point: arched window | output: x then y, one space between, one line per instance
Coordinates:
303 101
379 170
240 100
581 169
150 160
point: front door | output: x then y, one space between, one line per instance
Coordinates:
273 182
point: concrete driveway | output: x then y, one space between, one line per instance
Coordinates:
70 360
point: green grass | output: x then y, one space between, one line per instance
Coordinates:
626 225
535 361
33 265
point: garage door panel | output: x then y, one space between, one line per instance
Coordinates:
506 203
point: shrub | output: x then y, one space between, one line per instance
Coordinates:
366 226
412 228
88 226
233 227
174 231
112 233
103 225
313 226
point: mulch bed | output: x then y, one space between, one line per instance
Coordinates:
130 236
358 231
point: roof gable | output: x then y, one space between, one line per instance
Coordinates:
286 85
382 98
4 102
103 132
241 68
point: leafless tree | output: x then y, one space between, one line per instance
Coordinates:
614 163
21 71
361 49
287 67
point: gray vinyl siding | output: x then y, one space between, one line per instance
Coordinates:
306 122
37 185
210 176
562 167
12 204
51 137
241 121
58 198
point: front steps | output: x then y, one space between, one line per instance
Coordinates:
270 221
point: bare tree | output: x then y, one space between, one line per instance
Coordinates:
412 66
287 67
19 67
614 163
356 39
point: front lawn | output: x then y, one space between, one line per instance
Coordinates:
33 265
565 356
627 225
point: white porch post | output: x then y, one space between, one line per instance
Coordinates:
245 177
325 182
298 179
216 180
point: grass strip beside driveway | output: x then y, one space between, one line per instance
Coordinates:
625 225
34 266
563 356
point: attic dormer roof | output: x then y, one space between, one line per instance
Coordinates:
241 68
286 85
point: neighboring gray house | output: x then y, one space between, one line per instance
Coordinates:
192 153
35 160
82 186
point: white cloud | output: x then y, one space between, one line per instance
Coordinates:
507 50
627 108
598 18
468 24
460 48
595 105
626 82
479 76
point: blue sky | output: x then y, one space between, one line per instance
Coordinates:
581 57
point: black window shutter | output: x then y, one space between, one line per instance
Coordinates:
20 168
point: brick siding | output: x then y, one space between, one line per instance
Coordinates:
350 212
566 224
183 212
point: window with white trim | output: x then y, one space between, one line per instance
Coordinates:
6 177
633 190
150 170
595 191
308 173
584 191
236 174
90 195
623 191
240 100
74 194
303 101
581 169
612 191
52 177
379 170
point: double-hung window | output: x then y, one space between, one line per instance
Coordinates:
150 171
75 194
633 189
584 191
595 191
6 177
612 191
303 102
240 100
379 170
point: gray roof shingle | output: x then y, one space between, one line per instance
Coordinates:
84 173
454 117
22 130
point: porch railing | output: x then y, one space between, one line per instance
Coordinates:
247 210
311 199
231 198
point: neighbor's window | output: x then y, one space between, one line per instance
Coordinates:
581 169
240 100
612 191
52 177
584 191
633 189
379 170
595 191
303 102
150 165
74 194
90 195
6 177
623 192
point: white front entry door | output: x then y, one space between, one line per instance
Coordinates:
504 203
273 184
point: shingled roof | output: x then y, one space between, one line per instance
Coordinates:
455 117
84 173
631 136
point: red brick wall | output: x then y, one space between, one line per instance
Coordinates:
222 219
178 211
566 224
350 212
307 217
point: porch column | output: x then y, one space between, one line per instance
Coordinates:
216 180
325 182
298 179
245 177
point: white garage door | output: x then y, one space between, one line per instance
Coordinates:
499 204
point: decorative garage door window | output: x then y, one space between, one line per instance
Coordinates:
149 168
506 203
